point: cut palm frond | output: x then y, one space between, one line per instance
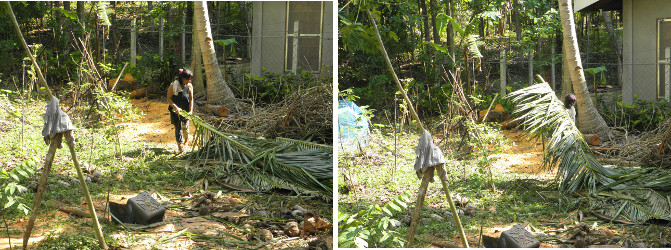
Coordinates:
633 194
544 116
262 164
634 205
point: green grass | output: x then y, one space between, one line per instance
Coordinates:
519 197
144 166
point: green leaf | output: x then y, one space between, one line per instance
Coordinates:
69 14
14 176
225 42
10 202
438 47
394 207
493 15
102 13
393 35
22 172
387 211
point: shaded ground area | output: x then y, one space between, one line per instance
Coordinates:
525 194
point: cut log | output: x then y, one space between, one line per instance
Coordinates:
592 139
499 108
128 77
76 211
215 110
123 85
139 93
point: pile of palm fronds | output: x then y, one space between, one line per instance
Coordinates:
262 164
652 148
633 194
305 114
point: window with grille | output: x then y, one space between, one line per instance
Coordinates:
663 58
304 31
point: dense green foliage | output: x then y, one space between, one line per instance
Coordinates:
57 32
428 41
373 227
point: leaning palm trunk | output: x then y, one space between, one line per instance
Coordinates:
589 119
544 115
217 89
633 195
262 164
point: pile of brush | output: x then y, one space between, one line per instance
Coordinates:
652 148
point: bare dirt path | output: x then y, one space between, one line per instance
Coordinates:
522 156
152 124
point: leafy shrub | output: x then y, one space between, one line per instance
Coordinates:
150 69
271 88
373 227
11 189
639 116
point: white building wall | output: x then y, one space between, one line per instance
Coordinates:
640 47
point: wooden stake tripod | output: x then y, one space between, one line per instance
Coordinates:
54 144
426 178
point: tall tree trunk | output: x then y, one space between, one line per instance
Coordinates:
434 28
618 43
516 16
80 11
217 89
450 30
566 87
113 30
589 119
436 40
196 61
182 58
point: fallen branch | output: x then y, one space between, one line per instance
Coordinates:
611 219
69 209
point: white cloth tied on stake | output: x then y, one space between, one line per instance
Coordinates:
55 121
428 155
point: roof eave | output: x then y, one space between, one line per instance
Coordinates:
607 5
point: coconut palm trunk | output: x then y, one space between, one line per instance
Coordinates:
196 61
589 120
217 89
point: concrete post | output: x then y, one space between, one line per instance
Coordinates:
667 73
183 58
531 68
503 72
160 38
294 56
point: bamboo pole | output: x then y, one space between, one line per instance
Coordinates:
428 174
455 215
393 73
54 144
71 144
30 53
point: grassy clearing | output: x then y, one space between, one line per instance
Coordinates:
144 166
375 176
